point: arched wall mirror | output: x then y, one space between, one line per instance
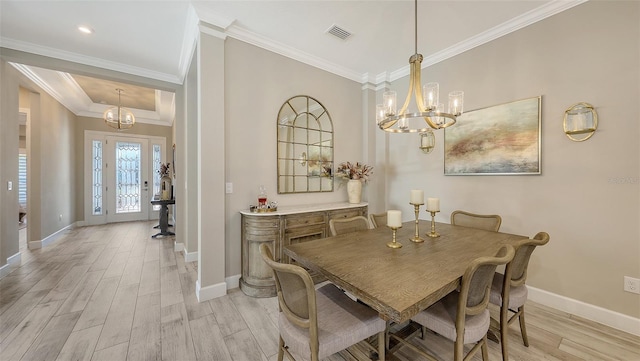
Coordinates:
305 146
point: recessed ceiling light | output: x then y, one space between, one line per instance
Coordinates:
85 29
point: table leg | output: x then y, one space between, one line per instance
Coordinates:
164 222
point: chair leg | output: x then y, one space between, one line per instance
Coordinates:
382 345
485 349
523 328
504 331
281 349
386 335
458 350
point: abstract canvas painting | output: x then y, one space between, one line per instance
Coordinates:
502 139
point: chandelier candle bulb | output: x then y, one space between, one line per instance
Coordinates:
389 101
456 102
417 197
380 114
433 205
394 218
431 94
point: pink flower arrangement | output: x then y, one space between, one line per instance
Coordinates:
355 171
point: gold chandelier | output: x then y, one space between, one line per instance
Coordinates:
118 117
430 112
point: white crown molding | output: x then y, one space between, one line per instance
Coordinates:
30 74
540 13
199 18
204 28
77 58
63 88
292 53
189 41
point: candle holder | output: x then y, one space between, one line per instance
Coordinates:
416 237
433 233
393 243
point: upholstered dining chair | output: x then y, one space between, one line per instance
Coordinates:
348 225
462 316
509 291
489 222
378 220
314 323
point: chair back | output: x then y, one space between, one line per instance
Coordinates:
488 222
378 220
296 292
348 225
524 249
476 282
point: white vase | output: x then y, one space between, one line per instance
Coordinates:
354 190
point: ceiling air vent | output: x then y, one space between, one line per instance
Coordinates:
338 32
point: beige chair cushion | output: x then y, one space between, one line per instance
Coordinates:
441 318
517 295
341 323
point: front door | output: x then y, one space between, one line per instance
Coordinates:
127 191
121 177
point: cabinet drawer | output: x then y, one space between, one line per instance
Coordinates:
347 213
304 220
262 222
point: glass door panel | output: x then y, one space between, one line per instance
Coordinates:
127 179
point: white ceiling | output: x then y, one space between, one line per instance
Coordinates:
154 39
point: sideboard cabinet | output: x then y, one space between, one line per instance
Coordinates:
289 225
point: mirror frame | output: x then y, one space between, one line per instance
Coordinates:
305 146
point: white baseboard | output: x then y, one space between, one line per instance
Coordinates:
50 238
190 257
12 261
232 281
210 292
594 313
4 270
177 247
15 259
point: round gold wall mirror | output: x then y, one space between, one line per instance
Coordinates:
580 122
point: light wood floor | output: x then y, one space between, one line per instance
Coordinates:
114 293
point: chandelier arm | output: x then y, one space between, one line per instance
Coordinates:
417 68
418 90
388 124
411 89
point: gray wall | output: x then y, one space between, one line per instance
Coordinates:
94 124
587 197
8 161
51 167
257 83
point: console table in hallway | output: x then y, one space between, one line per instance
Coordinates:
164 216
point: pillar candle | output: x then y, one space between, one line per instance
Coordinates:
433 205
394 218
417 197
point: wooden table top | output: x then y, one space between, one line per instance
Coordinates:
399 283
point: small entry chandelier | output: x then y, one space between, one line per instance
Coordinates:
430 111
118 117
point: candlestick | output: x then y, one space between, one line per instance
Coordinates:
393 243
416 237
417 197
433 205
433 233
394 218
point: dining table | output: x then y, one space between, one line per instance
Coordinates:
398 282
